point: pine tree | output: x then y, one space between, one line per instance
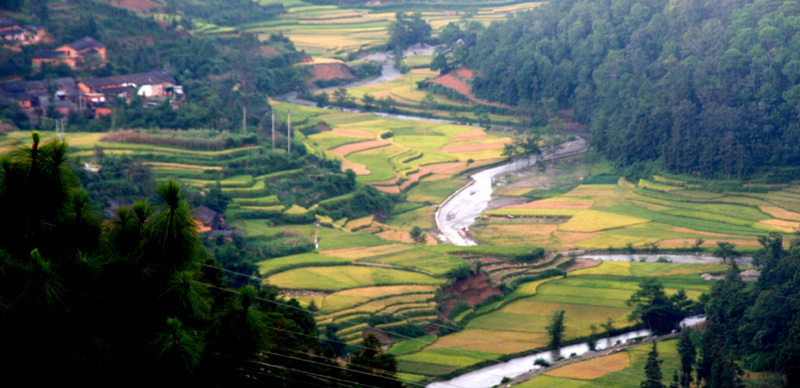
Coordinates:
652 370
372 360
688 355
675 382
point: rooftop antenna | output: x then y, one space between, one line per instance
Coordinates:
289 133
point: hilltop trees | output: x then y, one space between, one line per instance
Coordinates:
407 30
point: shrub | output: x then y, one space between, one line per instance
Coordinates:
531 256
459 308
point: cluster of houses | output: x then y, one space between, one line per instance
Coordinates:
85 52
92 97
15 32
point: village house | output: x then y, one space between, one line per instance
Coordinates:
208 220
17 32
156 84
82 52
36 96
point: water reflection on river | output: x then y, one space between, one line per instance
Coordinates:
493 375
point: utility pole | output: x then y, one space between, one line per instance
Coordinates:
273 129
289 133
60 128
244 119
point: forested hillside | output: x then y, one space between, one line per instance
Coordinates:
691 86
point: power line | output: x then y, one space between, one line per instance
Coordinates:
405 317
312 374
409 338
416 339
400 335
348 363
349 370
284 378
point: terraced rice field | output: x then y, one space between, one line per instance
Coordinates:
517 324
395 155
620 370
326 30
341 278
662 211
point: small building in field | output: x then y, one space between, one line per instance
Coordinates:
16 32
210 221
82 52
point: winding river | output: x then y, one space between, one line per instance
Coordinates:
459 211
493 375
455 215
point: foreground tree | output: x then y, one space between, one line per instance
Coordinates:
138 299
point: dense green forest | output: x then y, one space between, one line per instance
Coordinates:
138 297
690 86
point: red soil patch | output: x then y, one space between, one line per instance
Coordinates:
458 80
465 73
388 182
555 205
399 235
348 149
472 290
473 133
389 189
136 5
330 71
472 147
680 229
450 81
322 126
568 122
685 242
354 133
450 168
269 52
583 263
